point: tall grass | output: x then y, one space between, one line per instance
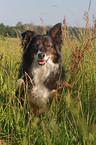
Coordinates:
72 119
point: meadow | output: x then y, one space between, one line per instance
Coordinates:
71 119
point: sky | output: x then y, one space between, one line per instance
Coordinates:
46 12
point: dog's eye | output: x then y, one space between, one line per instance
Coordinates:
37 44
46 44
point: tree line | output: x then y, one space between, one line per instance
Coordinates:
16 31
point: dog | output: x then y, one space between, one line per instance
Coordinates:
42 62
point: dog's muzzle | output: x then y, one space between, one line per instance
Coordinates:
41 58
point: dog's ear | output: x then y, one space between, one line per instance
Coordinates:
56 33
27 37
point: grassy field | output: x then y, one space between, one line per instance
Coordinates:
72 119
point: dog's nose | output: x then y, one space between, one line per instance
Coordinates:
41 55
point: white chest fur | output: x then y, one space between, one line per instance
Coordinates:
40 73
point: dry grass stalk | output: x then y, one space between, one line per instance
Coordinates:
64 22
95 28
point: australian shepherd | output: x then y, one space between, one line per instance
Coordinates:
42 62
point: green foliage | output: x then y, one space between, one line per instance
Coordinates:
15 32
72 119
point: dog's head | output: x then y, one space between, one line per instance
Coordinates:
43 47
